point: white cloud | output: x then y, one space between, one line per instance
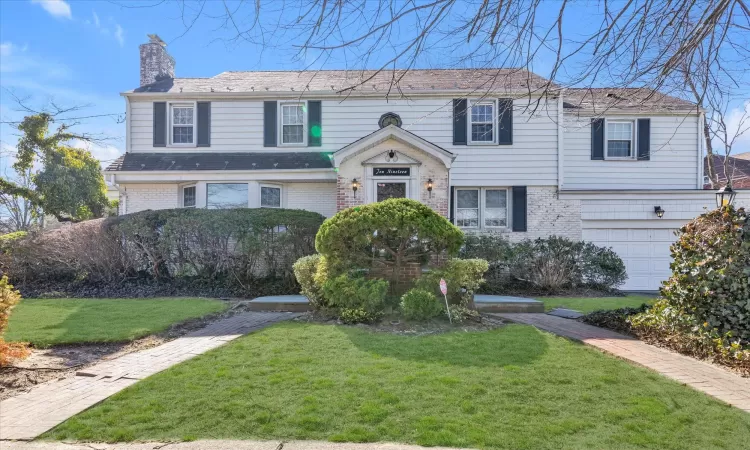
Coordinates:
738 128
104 153
58 8
16 60
96 19
119 35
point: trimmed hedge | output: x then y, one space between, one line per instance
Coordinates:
231 247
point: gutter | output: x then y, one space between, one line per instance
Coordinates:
164 172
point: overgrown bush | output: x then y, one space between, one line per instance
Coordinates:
358 299
462 276
9 297
387 234
548 265
615 319
232 247
305 270
418 304
710 280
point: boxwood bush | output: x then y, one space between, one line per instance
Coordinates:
356 298
418 304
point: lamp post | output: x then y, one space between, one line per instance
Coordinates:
725 196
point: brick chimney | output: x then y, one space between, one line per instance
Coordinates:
156 63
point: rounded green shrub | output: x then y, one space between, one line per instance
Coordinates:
462 276
356 297
392 233
305 270
711 272
418 304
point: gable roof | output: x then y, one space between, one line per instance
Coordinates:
399 134
601 100
137 162
738 169
370 81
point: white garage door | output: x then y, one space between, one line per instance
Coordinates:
645 252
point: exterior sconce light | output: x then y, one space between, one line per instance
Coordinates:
659 211
355 186
429 186
725 196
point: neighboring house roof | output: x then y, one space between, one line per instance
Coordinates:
136 162
738 169
334 81
600 100
745 155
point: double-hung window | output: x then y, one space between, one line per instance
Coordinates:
270 197
481 208
182 124
620 139
482 122
188 197
292 129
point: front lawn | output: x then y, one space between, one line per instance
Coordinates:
514 387
589 304
45 322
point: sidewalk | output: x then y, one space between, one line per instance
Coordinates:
705 377
214 445
30 414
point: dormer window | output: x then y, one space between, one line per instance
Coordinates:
292 129
182 124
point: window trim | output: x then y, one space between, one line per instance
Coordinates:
280 123
483 206
182 195
170 126
275 186
469 122
633 140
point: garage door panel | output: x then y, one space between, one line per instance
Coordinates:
645 252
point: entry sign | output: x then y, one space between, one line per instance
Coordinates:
391 171
443 287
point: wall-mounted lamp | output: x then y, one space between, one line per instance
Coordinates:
659 211
429 186
725 196
355 186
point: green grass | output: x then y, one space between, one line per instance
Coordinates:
45 322
514 387
589 304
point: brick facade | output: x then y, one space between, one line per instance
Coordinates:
140 197
156 63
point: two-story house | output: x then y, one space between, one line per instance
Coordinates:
482 147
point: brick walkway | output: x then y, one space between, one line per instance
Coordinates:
28 415
705 377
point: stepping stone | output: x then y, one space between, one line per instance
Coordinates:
292 303
507 304
566 313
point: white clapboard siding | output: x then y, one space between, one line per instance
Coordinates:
237 126
674 162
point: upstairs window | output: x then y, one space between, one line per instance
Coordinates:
182 124
620 139
188 197
482 121
292 123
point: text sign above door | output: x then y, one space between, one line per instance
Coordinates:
391 171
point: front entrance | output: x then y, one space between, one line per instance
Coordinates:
386 190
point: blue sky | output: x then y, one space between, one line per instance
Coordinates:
86 53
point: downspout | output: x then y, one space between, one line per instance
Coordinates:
701 118
560 142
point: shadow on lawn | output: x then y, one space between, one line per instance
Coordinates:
513 345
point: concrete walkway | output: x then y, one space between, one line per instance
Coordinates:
705 377
214 445
30 414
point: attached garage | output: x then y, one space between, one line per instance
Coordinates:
645 252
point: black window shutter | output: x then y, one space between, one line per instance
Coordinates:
451 206
160 124
459 121
644 139
519 208
597 138
269 124
204 124
314 123
505 121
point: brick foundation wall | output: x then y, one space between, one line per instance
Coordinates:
141 197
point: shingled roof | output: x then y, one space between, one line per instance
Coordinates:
136 162
333 81
601 100
737 168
